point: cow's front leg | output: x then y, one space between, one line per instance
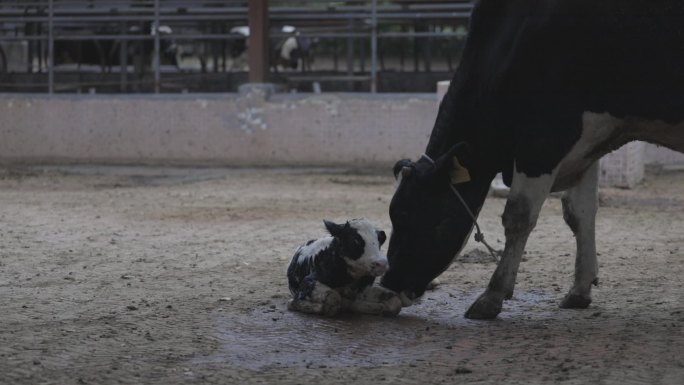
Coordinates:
316 298
579 211
524 202
376 300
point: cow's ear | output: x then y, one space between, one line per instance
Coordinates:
333 228
456 162
458 173
403 166
382 237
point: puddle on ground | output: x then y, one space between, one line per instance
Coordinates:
433 331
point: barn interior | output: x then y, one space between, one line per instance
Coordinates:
109 46
160 160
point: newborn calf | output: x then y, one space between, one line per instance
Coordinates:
336 273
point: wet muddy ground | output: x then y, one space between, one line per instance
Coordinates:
170 276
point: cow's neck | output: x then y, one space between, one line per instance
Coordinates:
452 118
448 124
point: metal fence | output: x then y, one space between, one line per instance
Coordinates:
199 46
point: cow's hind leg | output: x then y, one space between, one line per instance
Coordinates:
524 202
376 300
579 211
322 300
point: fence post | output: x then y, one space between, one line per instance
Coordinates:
350 54
51 48
258 52
157 60
374 46
123 59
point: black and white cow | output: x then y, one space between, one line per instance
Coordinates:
336 273
287 51
293 50
543 90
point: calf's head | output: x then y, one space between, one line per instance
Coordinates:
430 224
360 244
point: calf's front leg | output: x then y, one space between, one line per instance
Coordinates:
520 215
375 300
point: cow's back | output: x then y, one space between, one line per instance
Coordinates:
531 69
630 58
622 56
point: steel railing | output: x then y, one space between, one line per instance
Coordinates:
40 23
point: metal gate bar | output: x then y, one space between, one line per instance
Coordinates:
46 21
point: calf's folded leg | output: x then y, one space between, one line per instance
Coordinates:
320 300
375 300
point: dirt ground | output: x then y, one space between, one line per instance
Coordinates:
173 276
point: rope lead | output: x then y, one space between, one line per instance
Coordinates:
479 237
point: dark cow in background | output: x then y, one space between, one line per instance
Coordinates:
544 89
336 273
106 53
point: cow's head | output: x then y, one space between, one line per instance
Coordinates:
360 244
430 224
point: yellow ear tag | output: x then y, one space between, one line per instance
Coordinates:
458 173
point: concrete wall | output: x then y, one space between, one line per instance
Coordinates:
623 167
249 128
253 127
655 154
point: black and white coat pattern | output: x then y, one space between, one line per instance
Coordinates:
543 90
336 273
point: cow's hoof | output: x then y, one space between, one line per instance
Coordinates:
484 307
575 301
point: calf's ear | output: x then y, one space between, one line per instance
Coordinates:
382 237
333 228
